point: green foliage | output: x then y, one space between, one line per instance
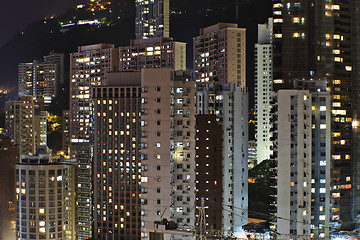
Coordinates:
260 191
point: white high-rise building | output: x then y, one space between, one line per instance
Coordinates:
263 88
229 103
301 133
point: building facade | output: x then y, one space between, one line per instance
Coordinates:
117 157
26 124
88 68
332 26
41 79
209 165
229 103
160 52
152 19
168 149
263 88
41 190
220 54
65 132
301 134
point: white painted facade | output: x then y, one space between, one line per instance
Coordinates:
302 155
229 102
263 88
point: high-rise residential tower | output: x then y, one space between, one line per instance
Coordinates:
160 52
88 68
167 149
41 78
220 54
152 18
209 168
26 124
301 134
117 157
263 88
317 41
44 189
229 103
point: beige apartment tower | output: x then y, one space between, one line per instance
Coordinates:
168 149
220 54
26 124
160 52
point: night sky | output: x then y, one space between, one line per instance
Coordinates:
15 15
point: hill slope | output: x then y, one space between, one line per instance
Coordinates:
39 38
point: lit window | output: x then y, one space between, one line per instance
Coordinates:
336 7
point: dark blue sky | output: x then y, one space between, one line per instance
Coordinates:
15 15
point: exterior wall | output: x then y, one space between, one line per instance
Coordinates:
42 187
302 133
117 162
220 53
25 81
263 88
88 68
235 149
70 198
293 162
158 52
152 19
229 104
40 128
321 158
209 164
41 79
296 27
168 149
65 133
25 124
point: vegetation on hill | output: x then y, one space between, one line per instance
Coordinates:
260 190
